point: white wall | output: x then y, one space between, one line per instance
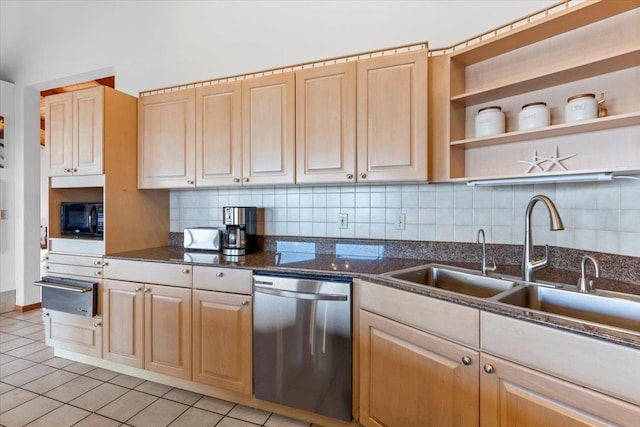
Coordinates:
150 44
7 193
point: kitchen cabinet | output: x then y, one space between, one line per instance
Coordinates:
123 308
268 129
218 135
512 395
74 131
411 378
74 333
587 48
392 117
326 124
166 140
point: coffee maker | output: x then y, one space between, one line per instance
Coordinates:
241 230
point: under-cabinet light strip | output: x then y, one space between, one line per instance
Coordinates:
586 177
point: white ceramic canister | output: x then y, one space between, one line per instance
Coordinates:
581 107
534 115
489 121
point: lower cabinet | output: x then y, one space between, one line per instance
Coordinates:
73 333
411 378
512 395
222 325
148 326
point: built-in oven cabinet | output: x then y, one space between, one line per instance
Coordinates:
74 333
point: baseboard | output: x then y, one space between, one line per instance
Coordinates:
23 308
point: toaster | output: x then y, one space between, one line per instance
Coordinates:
203 238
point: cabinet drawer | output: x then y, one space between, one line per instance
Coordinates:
75 270
85 261
148 272
74 333
222 279
445 319
599 365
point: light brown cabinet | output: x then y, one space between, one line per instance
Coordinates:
218 135
326 124
73 333
74 132
411 378
222 340
268 129
123 308
392 117
512 395
166 140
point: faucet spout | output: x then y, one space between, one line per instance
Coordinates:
529 264
484 267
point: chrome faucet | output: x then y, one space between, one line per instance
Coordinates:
585 285
529 264
484 267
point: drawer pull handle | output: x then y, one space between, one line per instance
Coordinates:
219 274
105 263
466 360
185 271
97 273
245 302
97 263
97 324
489 369
46 267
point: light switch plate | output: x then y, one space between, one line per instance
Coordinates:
400 221
343 221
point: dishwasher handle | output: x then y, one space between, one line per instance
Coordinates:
54 285
302 295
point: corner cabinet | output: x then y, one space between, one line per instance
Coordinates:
166 140
74 132
589 47
392 117
268 129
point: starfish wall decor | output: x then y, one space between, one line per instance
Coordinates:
537 162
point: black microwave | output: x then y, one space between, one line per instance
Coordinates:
82 219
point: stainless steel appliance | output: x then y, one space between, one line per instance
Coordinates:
241 230
202 238
82 219
302 342
69 295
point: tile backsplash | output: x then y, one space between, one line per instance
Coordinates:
603 217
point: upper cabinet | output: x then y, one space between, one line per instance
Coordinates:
392 117
326 124
590 47
75 132
219 135
268 129
166 140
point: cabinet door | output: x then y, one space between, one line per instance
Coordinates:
392 117
222 331
268 129
326 124
88 131
411 378
512 395
74 333
123 312
166 140
58 133
218 135
167 330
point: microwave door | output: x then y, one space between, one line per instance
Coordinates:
92 220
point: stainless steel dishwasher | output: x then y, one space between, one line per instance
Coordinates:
302 342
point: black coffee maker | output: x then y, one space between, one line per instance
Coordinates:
241 230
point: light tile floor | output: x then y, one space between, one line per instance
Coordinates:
39 389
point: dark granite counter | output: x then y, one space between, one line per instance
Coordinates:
368 263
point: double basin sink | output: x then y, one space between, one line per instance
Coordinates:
612 309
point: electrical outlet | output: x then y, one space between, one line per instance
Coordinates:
343 220
3 214
400 221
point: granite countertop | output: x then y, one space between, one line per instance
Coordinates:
370 268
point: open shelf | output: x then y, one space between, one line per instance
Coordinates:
617 121
550 25
595 66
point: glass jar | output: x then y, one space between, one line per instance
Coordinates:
489 121
534 115
581 107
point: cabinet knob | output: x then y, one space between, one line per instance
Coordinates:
349 176
466 360
245 180
363 175
185 271
46 267
138 289
95 325
147 290
46 315
190 181
219 274
46 258
66 170
245 302
236 180
97 273
105 263
489 369
97 263
74 170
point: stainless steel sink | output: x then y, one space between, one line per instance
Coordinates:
462 281
603 307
